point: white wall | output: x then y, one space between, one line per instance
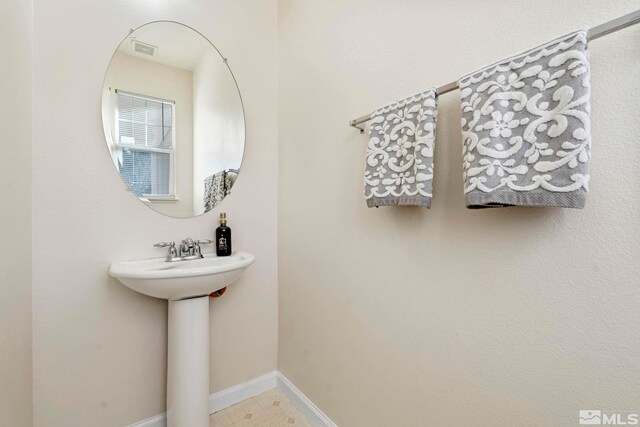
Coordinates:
16 31
144 77
100 349
413 317
219 130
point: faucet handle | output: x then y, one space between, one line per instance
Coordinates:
164 244
173 253
198 253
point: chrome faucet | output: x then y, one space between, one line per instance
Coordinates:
189 249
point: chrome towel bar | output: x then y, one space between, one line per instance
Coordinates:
593 33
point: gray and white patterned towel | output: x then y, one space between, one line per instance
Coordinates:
217 187
525 128
399 166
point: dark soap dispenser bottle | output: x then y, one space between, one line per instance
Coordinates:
223 237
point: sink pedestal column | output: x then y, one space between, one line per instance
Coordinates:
188 363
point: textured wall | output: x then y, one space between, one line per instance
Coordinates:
16 32
409 317
99 348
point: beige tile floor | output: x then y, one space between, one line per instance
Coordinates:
270 409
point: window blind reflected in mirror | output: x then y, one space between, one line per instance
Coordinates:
144 131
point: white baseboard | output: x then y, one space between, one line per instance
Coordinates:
311 412
157 421
238 393
241 392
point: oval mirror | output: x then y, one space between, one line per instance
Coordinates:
173 119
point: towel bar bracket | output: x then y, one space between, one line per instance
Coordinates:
354 123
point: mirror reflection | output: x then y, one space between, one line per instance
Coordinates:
173 119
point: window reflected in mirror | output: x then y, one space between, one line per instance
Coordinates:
144 144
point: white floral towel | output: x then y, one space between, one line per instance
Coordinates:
399 167
525 127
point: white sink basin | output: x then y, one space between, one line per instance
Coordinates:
181 279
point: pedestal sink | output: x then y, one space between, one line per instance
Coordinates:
187 285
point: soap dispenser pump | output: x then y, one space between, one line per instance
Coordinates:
223 237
